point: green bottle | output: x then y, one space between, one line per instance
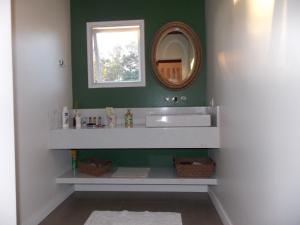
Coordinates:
74 159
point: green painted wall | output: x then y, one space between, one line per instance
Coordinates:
155 13
141 157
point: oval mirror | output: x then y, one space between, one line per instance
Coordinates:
176 55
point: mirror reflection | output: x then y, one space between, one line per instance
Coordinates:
176 55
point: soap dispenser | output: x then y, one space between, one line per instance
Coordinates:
128 119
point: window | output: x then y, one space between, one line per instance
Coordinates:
116 55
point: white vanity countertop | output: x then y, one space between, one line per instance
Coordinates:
139 136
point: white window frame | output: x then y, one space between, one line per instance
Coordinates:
91 83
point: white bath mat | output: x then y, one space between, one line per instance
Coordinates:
133 218
131 172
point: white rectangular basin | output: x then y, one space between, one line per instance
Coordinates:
178 120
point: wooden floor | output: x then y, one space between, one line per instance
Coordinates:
195 208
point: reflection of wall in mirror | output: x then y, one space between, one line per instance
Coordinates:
174 47
170 70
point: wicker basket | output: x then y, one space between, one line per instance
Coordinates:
94 167
194 167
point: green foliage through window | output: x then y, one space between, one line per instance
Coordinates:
121 65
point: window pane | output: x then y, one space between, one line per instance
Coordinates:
116 54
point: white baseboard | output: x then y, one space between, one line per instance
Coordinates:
40 215
141 188
219 207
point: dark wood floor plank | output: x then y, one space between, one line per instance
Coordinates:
195 208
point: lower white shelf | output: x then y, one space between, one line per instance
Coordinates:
157 176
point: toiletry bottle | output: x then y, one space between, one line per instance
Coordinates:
74 117
84 122
65 117
78 120
128 119
74 160
111 117
99 121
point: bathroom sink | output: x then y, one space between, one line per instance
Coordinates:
178 120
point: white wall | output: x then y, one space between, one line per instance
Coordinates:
42 37
254 75
7 146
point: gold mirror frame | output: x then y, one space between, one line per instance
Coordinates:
194 39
